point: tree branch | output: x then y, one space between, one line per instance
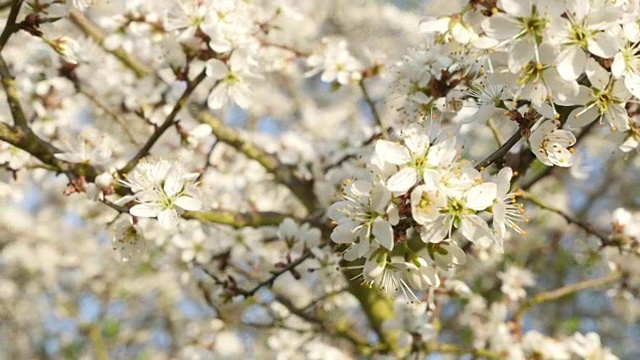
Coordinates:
98 342
9 85
275 274
21 135
372 106
10 26
346 157
236 220
115 116
96 34
168 122
565 291
302 189
377 307
534 200
435 347
26 140
343 332
501 151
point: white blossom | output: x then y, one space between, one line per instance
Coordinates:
234 80
549 144
128 240
589 347
161 189
82 152
194 246
67 47
605 99
364 218
584 31
413 157
335 62
13 157
514 280
506 211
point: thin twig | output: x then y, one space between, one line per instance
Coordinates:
115 116
346 157
207 163
340 331
565 291
96 34
285 175
168 122
435 347
323 297
501 152
495 131
206 295
534 200
118 208
10 26
9 85
276 274
372 106
299 53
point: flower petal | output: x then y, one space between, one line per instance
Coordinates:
500 26
344 232
436 230
559 155
146 210
188 203
216 69
476 230
481 196
392 152
383 232
571 62
632 82
602 45
402 180
168 219
503 181
173 183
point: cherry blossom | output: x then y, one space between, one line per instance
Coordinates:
513 282
584 31
128 240
549 144
366 216
605 99
79 151
335 62
322 180
413 157
161 189
234 80
506 211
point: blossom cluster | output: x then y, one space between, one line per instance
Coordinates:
225 28
489 325
421 206
160 190
574 54
305 95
